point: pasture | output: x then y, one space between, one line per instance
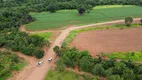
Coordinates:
67 18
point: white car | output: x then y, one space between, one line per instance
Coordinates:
50 59
40 63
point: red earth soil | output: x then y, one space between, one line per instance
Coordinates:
110 40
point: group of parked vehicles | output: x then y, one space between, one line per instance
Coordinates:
41 62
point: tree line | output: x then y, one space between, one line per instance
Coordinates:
44 5
13 18
15 40
110 69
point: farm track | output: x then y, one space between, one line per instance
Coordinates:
39 73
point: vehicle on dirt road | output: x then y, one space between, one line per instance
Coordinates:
50 59
40 63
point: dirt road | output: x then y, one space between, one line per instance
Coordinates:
39 73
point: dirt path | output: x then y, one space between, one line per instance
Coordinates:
22 28
39 73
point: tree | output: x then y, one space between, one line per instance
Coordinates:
60 65
115 77
141 21
99 70
39 54
128 74
57 50
86 63
128 21
70 57
52 7
81 10
119 68
139 77
89 8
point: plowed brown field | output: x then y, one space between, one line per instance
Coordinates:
110 40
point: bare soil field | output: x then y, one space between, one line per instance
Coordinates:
110 40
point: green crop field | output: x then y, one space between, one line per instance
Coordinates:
63 18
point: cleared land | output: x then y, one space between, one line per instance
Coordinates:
65 18
111 40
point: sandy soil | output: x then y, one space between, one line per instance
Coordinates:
39 73
111 40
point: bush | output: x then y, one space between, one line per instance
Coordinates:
39 54
52 7
141 21
99 70
81 10
139 77
60 65
128 21
115 77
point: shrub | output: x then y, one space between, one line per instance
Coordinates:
39 54
128 21
52 7
115 77
60 65
99 70
139 77
81 10
57 50
141 21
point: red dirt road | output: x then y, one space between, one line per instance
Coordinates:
110 40
39 73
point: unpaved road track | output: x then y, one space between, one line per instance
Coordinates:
39 73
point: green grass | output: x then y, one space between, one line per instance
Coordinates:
74 33
55 75
136 56
45 35
68 75
46 20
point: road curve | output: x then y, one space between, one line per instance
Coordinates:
39 73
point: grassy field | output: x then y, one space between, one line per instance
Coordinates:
63 18
45 35
134 56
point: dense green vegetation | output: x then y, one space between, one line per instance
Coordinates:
109 69
50 5
67 75
46 20
55 75
134 56
13 18
9 62
16 40
74 33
